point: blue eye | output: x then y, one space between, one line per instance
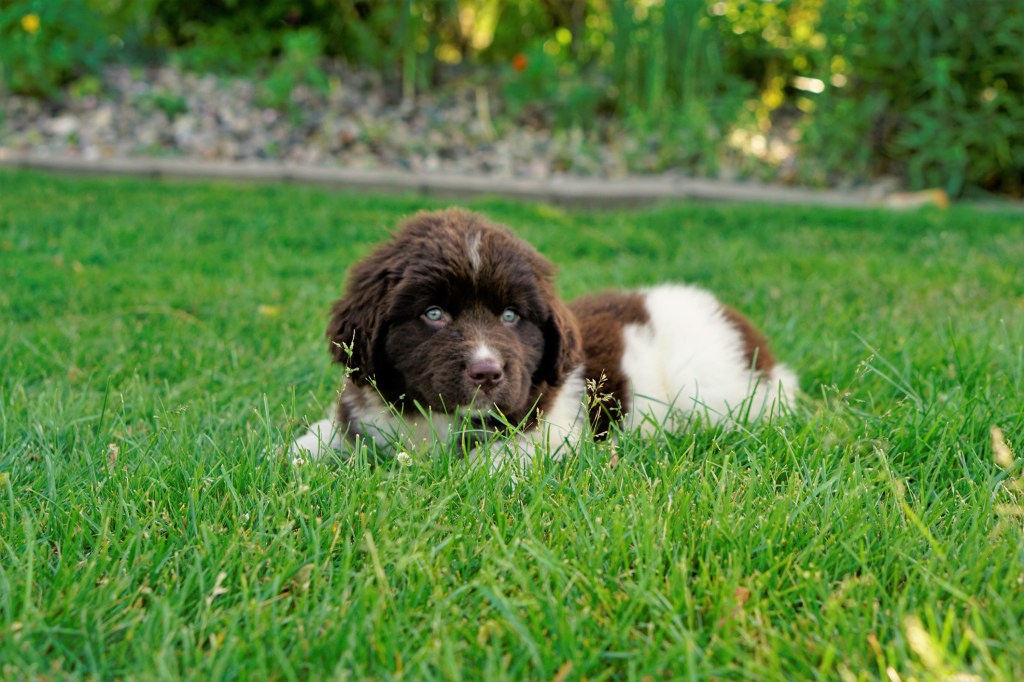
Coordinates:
509 315
433 314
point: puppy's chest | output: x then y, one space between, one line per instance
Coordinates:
362 412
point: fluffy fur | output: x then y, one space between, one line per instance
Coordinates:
452 331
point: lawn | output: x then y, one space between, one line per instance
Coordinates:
159 339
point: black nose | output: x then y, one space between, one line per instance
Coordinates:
485 371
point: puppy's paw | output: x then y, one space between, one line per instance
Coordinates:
321 440
512 456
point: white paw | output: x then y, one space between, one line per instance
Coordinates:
322 439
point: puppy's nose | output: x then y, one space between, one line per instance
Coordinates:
485 371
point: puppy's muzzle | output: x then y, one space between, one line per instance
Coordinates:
485 372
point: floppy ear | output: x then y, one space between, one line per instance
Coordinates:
563 351
357 327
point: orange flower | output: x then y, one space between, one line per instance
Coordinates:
519 62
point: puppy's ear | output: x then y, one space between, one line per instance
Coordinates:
357 327
563 350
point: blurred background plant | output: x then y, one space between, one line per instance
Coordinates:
298 65
931 91
45 44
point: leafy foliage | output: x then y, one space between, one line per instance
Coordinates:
930 91
299 65
47 43
942 101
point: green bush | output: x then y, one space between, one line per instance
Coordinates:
933 91
299 65
543 79
45 44
216 49
371 33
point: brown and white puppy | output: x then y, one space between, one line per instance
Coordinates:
450 330
453 329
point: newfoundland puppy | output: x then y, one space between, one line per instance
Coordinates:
452 331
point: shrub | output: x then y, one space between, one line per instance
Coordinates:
299 65
933 91
542 79
47 43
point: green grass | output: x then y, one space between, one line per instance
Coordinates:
181 325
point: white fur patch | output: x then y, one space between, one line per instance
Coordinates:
473 250
381 423
688 358
377 422
322 438
557 433
564 418
484 352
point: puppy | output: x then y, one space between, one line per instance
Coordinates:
452 331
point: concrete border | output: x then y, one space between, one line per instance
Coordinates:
562 191
585 192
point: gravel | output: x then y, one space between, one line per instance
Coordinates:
357 123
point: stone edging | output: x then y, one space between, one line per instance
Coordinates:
584 192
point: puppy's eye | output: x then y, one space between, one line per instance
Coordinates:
509 316
433 314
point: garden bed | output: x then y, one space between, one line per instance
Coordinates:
822 95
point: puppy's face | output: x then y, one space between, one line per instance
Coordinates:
469 344
455 313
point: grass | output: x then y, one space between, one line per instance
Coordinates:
157 339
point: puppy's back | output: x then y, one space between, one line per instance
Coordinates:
675 349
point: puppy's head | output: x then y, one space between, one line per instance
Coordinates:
455 312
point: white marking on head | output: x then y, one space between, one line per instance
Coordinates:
485 352
473 250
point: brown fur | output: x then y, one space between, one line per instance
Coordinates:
379 329
601 318
756 350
